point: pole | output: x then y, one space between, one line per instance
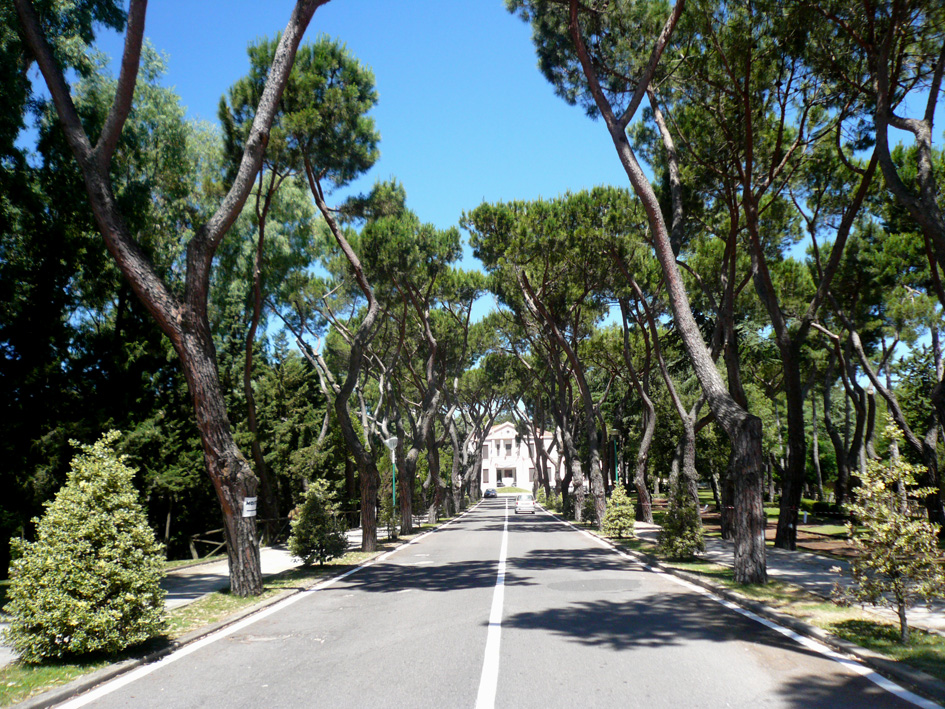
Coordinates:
616 467
393 462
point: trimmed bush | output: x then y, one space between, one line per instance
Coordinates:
619 518
91 581
681 536
317 531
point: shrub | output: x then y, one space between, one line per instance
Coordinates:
91 580
317 531
681 536
619 518
898 560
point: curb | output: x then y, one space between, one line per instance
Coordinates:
913 679
80 685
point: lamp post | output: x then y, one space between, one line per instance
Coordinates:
616 466
391 443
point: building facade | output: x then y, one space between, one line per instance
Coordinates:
511 460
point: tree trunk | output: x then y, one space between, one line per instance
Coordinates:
232 477
749 528
815 454
405 478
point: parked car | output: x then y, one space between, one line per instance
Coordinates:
499 483
490 493
525 503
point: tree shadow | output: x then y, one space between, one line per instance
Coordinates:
649 621
392 577
572 560
838 691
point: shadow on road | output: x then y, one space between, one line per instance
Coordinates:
650 621
572 559
456 576
835 692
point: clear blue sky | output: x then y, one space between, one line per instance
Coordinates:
464 114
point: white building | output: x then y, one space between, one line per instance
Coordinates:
512 460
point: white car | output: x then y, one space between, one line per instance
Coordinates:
525 503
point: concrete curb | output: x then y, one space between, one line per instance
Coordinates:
87 682
911 678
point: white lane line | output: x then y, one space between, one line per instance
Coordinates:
811 644
490 664
144 670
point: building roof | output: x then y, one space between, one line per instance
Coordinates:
507 428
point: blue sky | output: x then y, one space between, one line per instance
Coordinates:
464 114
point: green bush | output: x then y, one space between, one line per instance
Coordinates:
681 536
91 580
317 531
619 518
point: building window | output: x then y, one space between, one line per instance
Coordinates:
485 475
485 452
531 475
508 448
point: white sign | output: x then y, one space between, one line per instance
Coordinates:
249 507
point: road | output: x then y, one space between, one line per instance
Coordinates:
498 610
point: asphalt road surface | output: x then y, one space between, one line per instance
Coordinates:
499 610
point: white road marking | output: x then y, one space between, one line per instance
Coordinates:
811 644
490 664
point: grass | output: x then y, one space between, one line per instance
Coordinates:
19 682
925 651
511 489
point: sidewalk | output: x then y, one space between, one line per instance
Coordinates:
811 572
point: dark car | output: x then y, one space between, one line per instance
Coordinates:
490 493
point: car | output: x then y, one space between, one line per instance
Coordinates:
499 483
490 493
525 503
